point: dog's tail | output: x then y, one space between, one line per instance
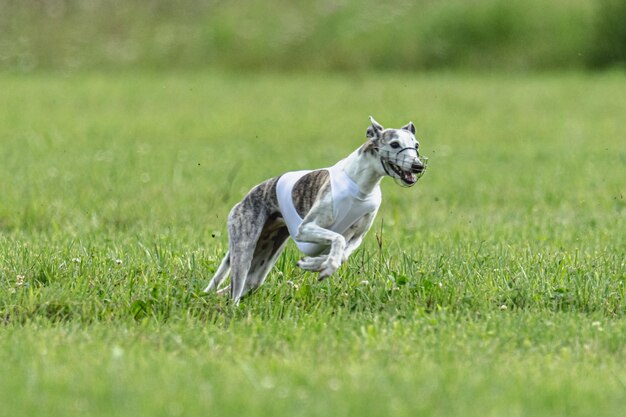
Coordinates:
220 274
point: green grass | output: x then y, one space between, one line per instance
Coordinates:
347 35
496 286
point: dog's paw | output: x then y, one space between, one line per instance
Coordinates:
309 267
328 268
313 264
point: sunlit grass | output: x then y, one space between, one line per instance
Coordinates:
495 286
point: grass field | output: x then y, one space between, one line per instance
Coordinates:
287 35
494 287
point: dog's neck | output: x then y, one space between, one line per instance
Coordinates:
364 169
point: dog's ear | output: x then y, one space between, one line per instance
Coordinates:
409 127
374 131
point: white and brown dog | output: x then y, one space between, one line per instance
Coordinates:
326 211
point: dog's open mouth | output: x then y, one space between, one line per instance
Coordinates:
407 177
404 177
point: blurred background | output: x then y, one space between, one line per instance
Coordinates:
303 35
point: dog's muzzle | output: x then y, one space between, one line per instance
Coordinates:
403 167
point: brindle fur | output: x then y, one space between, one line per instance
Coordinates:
257 234
307 190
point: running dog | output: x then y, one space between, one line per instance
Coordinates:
326 211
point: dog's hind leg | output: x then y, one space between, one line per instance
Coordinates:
246 222
244 229
269 248
220 274
224 291
241 259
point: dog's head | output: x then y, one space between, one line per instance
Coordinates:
398 151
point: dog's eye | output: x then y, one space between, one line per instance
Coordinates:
394 145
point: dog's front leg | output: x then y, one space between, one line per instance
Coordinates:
312 263
328 264
354 235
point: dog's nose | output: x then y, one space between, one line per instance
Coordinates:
417 167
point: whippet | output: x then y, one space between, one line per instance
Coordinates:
326 211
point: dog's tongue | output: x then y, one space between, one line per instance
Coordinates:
409 177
